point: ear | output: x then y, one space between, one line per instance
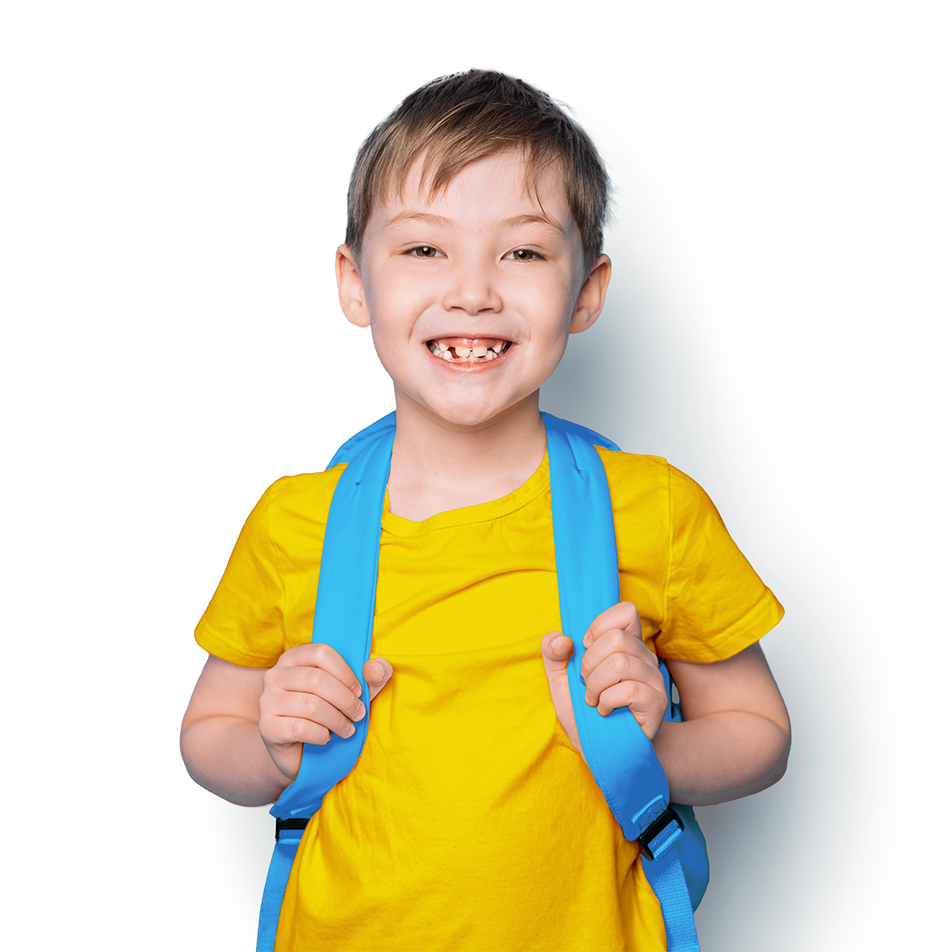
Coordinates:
591 297
350 288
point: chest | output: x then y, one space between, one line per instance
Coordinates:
464 586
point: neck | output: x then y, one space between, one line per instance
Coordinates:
438 465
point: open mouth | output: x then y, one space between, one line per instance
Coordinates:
469 349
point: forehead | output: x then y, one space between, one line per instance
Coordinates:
502 178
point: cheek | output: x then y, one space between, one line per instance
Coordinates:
398 299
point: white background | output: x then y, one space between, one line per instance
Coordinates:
769 331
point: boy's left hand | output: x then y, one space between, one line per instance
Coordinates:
619 671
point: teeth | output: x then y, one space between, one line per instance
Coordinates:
461 352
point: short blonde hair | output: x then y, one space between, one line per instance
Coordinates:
455 120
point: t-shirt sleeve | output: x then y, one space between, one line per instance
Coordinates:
715 604
698 597
244 622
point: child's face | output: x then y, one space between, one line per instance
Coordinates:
484 267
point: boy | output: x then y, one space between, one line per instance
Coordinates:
471 821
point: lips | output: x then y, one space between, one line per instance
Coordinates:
470 349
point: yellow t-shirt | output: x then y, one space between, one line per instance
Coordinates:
470 821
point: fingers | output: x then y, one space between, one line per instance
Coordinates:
622 681
618 660
621 617
620 670
310 694
306 705
556 649
320 656
617 629
377 672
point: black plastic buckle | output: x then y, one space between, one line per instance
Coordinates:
294 823
656 829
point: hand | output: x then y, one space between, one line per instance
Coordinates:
308 695
619 671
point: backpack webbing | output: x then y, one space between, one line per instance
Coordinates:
619 754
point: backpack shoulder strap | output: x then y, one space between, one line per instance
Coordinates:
352 544
352 547
619 754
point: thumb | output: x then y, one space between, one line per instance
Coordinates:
556 651
377 672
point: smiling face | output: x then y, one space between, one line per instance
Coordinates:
471 294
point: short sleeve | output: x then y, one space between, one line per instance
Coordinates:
715 604
264 604
244 622
698 597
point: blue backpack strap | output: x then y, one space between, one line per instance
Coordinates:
618 752
352 536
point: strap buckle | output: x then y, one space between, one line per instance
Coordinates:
292 823
651 848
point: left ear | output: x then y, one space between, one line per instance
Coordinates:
591 298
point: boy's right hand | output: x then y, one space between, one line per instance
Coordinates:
308 695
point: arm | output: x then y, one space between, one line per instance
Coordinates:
735 737
221 746
244 728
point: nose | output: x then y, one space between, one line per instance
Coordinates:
472 288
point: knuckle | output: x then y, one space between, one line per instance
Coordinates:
302 731
616 640
293 655
313 706
316 680
617 664
319 735
631 693
296 730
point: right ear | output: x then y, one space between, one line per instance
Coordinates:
350 288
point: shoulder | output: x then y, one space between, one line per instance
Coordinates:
305 486
637 481
267 589
306 495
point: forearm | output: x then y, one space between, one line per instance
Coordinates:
225 754
721 756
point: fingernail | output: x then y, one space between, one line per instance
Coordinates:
361 710
589 699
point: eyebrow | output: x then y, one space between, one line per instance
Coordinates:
439 221
425 217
